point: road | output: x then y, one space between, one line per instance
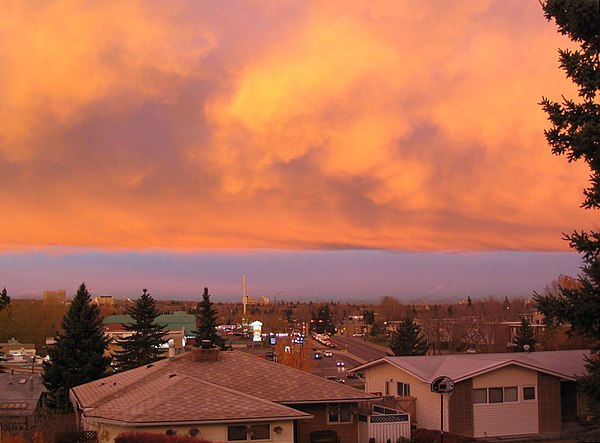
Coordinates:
353 351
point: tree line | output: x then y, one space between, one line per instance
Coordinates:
79 353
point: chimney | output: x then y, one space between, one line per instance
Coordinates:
210 354
171 352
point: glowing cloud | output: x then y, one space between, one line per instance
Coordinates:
251 124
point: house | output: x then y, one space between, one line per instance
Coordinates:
19 355
21 401
228 396
178 325
494 394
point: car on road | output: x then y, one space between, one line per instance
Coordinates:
318 355
354 375
336 379
340 364
327 354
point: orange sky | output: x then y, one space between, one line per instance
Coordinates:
282 124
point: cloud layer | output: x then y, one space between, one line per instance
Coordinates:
295 124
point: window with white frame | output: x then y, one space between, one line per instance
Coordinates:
340 412
258 431
506 394
403 389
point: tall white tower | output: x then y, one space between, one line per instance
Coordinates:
245 296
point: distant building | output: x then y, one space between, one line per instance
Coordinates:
104 300
257 301
55 297
251 301
13 350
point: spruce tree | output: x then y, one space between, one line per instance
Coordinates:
146 342
4 299
524 340
408 339
77 357
4 302
206 323
575 133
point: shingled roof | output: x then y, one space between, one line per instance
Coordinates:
19 393
563 364
237 386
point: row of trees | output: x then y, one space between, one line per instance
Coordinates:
79 353
409 339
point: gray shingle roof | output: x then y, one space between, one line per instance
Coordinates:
173 397
563 364
22 388
238 386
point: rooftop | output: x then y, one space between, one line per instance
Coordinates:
237 386
564 364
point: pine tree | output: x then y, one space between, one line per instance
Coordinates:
146 342
323 323
4 299
4 302
575 133
77 357
408 339
524 340
206 323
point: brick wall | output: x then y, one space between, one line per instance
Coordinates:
347 432
549 404
461 409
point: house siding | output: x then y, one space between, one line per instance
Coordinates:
512 418
549 404
427 404
218 432
461 409
347 432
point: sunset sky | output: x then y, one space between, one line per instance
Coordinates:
329 149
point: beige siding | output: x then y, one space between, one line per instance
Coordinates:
427 404
512 418
108 432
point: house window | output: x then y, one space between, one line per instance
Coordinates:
248 432
403 389
529 393
511 394
495 395
340 412
479 396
